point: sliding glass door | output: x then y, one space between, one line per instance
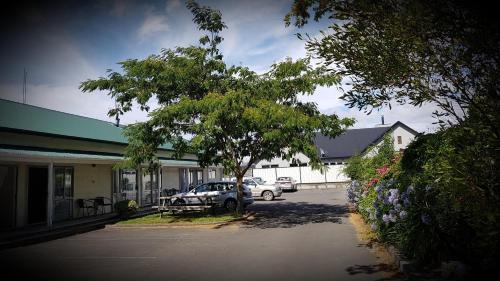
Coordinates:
63 193
149 188
128 185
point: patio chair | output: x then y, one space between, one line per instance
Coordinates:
84 204
101 203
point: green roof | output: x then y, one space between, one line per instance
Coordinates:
5 152
24 117
33 153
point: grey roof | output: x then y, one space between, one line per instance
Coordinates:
353 141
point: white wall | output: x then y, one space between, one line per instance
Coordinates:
170 177
335 174
406 137
283 163
303 174
268 174
312 176
293 172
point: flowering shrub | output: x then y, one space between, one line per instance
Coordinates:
421 204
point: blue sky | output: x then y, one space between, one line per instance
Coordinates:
66 42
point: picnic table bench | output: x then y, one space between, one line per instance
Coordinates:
166 204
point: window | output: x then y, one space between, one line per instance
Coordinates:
274 166
400 140
63 193
303 164
202 188
128 186
265 166
149 187
211 174
249 182
294 165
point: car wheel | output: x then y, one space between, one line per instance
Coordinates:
230 205
268 195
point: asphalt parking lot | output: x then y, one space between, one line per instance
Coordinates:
302 236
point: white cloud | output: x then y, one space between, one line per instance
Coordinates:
153 24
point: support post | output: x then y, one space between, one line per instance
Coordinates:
50 195
139 186
188 180
160 184
300 174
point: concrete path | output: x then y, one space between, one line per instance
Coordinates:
304 236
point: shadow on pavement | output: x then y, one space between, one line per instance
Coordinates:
391 272
290 214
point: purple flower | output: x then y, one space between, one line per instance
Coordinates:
385 218
398 207
374 226
426 219
403 215
393 217
406 202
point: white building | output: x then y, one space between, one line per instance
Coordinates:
334 154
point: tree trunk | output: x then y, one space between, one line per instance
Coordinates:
239 187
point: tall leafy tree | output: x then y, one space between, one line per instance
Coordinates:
235 116
445 52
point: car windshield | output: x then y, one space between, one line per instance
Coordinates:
259 180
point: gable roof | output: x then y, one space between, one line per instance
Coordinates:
27 118
353 141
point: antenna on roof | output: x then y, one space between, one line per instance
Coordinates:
25 75
383 120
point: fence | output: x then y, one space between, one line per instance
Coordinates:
303 175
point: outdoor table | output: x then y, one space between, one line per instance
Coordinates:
166 204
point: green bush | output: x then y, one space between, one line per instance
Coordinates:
126 208
437 202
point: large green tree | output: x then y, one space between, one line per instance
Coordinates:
445 52
235 116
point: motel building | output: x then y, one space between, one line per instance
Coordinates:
57 169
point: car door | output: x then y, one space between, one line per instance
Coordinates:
215 189
200 190
253 187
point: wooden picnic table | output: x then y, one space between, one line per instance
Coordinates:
166 203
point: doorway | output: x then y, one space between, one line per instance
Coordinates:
38 180
8 187
63 193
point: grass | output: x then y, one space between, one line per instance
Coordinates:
186 218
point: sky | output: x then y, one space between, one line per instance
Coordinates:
62 43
